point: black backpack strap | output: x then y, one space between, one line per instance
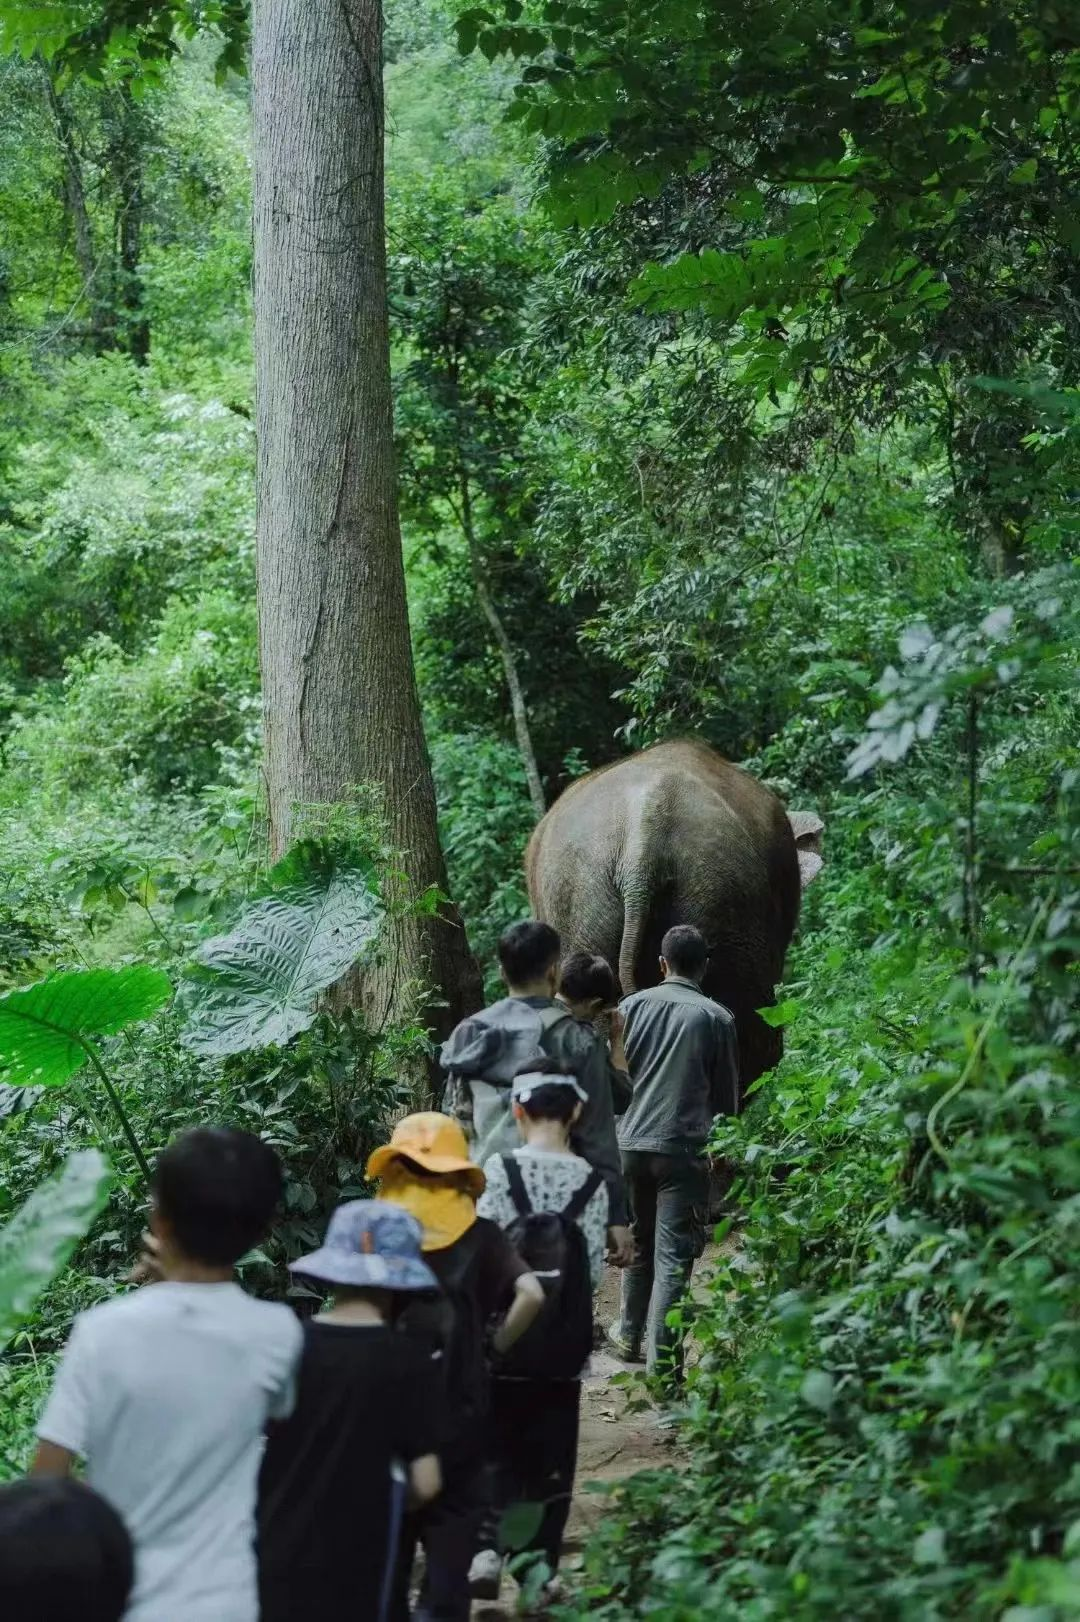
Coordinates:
518 1192
577 1202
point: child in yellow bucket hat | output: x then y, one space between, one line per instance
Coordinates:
425 1168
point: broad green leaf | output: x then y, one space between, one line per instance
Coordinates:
929 1549
1024 174
190 903
39 1238
519 1525
258 984
819 1390
42 1025
30 29
782 1013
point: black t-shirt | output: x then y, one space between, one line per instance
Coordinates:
367 1396
494 1271
477 1274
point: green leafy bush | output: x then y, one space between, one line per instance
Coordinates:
882 1416
148 496
485 820
168 713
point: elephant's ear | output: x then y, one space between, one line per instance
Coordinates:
808 828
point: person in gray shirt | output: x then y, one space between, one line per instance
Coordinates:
683 1058
484 1052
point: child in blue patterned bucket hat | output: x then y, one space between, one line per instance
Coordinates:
369 1245
364 1437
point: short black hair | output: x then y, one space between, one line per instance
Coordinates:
527 950
551 1103
218 1188
587 977
64 1552
685 951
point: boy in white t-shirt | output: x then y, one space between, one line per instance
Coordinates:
166 1392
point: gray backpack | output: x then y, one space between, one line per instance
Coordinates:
482 1058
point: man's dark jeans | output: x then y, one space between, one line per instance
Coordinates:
669 1198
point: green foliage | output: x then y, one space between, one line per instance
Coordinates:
92 37
465 386
150 500
44 1028
964 662
793 403
46 1031
519 1524
176 713
484 822
38 1239
842 216
881 1414
257 986
865 142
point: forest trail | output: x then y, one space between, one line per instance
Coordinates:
613 1444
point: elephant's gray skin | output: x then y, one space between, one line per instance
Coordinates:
678 835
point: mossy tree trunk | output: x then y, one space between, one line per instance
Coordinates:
339 689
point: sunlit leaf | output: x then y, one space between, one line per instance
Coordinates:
818 1389
781 1013
37 1241
929 1549
42 1025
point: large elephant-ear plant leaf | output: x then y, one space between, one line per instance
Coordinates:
45 1028
258 984
37 1241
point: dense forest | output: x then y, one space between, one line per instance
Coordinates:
735 357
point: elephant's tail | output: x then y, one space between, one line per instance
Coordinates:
634 921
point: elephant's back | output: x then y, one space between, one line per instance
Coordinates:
638 818
743 812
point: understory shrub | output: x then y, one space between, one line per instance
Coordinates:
882 1421
484 820
166 713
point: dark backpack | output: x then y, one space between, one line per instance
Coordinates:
481 1060
557 1344
450 1326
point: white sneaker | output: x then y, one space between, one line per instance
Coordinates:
485 1574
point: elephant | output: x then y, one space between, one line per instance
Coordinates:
676 834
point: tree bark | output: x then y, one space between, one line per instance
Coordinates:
128 170
518 707
339 689
82 231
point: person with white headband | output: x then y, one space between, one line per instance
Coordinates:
554 1208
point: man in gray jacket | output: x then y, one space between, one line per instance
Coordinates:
684 1066
484 1052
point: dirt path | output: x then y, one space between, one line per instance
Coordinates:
613 1445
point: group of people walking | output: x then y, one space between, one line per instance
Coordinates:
241 1464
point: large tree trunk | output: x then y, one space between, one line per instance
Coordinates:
339 690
